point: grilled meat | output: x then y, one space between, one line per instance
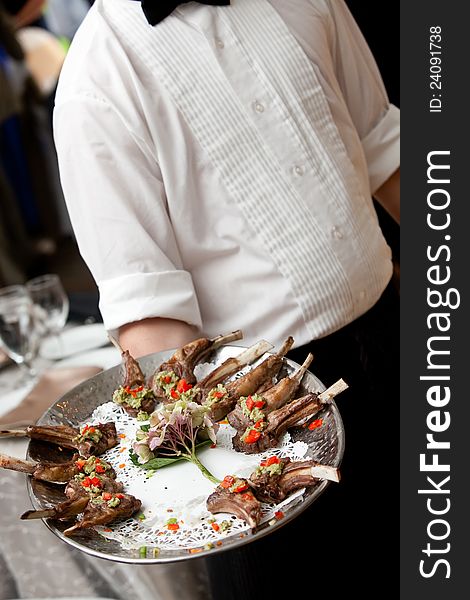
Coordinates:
275 479
63 511
180 366
223 400
105 509
231 366
91 439
133 395
57 472
268 430
243 415
234 496
79 490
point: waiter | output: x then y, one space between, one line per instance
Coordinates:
219 162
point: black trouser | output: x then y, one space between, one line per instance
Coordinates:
344 540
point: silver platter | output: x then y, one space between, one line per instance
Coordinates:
326 445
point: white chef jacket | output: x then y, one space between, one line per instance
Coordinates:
218 167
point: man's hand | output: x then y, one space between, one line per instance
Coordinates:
153 335
388 195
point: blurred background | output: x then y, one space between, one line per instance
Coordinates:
35 233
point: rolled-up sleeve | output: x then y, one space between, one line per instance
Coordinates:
377 121
117 205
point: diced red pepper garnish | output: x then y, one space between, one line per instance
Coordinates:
183 386
258 424
86 482
279 514
248 496
133 391
315 424
241 488
107 496
173 526
215 526
250 403
218 395
96 481
120 496
100 469
272 460
227 481
253 436
259 403
80 463
91 429
174 394
167 379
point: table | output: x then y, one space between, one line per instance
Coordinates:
34 563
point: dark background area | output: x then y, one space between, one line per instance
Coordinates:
380 24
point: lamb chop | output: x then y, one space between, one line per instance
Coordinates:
133 395
90 439
276 478
79 491
234 496
176 375
267 432
104 509
250 409
58 472
223 398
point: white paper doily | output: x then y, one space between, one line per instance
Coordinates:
180 491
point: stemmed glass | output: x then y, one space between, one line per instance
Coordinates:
19 337
51 304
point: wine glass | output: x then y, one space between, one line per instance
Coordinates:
18 334
51 304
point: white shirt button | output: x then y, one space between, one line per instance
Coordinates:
219 43
299 170
259 107
337 233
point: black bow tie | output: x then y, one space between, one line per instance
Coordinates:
157 10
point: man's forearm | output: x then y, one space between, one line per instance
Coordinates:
152 335
388 195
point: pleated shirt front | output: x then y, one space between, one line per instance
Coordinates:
218 167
